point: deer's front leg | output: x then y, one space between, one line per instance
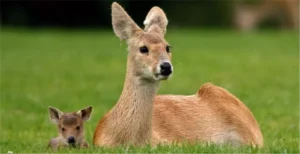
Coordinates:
84 144
53 144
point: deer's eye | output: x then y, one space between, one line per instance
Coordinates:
168 49
144 49
78 128
63 129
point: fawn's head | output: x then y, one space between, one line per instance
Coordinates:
70 125
149 54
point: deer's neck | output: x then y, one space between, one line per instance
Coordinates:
131 119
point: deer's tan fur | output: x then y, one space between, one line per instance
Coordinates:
213 115
140 117
69 125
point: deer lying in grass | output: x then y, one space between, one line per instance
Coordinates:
140 117
70 127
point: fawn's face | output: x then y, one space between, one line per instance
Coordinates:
149 54
70 125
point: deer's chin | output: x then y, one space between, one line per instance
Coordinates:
159 77
72 144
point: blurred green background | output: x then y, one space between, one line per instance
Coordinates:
53 54
74 69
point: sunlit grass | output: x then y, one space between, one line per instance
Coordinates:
74 69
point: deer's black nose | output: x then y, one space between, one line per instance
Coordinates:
165 69
71 140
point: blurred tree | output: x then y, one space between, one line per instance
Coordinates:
210 13
96 13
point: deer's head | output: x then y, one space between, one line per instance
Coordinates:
70 125
149 54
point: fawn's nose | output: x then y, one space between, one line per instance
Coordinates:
165 69
71 140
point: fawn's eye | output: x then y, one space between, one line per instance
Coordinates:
63 129
144 49
168 49
78 128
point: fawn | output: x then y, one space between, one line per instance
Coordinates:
70 127
140 117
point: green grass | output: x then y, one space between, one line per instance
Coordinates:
73 69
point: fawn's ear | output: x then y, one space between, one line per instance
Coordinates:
156 21
54 114
85 113
124 27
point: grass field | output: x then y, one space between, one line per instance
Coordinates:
73 69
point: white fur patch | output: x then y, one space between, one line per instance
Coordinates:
148 19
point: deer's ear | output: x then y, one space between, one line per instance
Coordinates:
124 27
85 113
54 114
156 21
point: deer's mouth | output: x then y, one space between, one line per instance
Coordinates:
161 77
72 144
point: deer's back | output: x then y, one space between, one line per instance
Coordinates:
213 114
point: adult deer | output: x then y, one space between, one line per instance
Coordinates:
140 117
